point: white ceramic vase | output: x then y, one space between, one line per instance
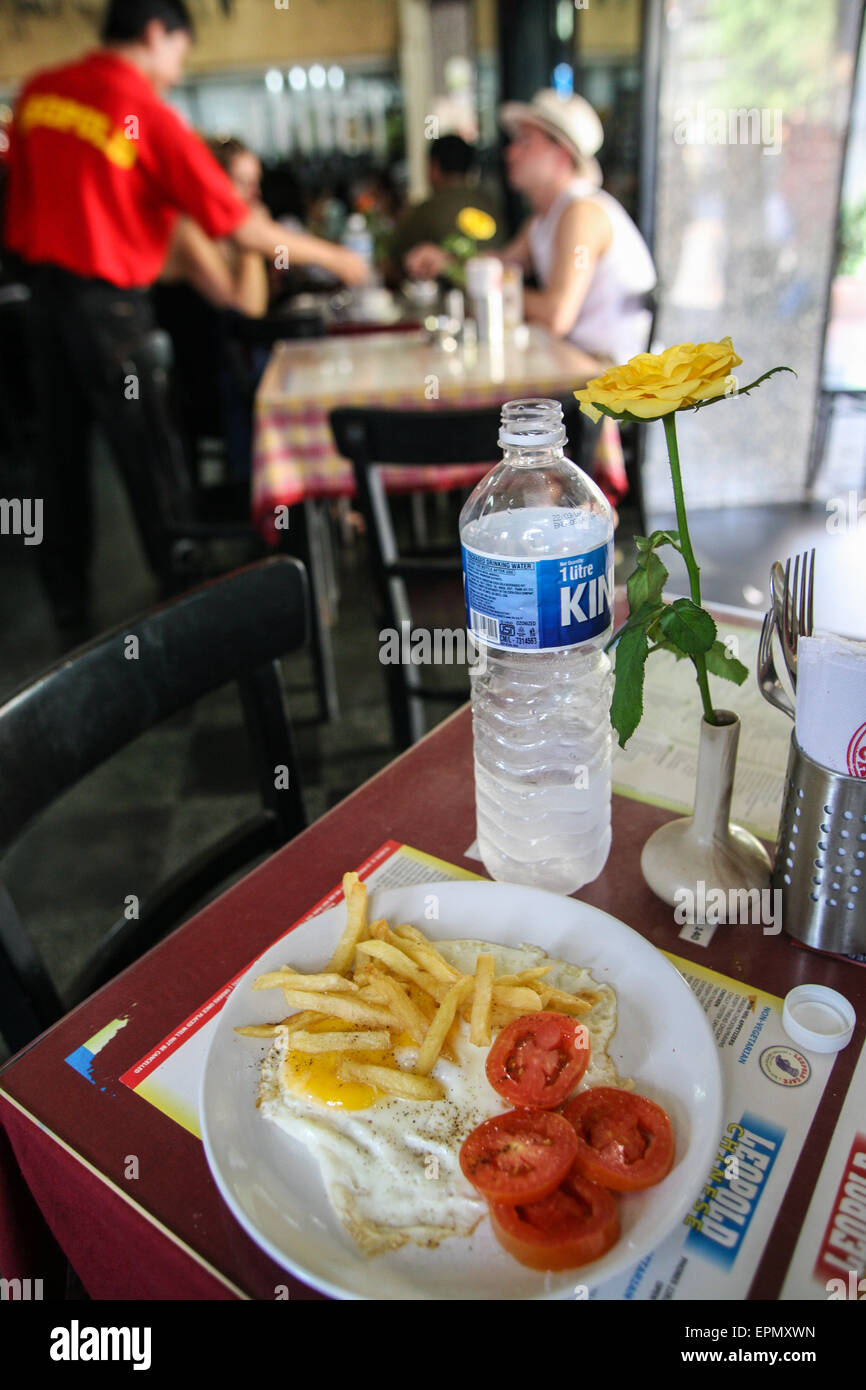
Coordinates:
704 847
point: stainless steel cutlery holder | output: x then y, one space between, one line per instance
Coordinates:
821 856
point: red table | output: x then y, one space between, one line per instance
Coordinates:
165 1233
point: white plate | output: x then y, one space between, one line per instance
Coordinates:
274 1188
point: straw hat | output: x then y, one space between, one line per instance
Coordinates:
571 121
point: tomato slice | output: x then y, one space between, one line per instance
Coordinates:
520 1156
575 1224
624 1141
538 1059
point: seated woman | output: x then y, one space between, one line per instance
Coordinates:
591 262
592 265
227 276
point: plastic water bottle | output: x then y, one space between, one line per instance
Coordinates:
537 544
358 237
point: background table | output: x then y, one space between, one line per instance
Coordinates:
165 1233
294 459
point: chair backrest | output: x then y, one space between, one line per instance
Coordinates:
429 437
633 434
97 699
652 302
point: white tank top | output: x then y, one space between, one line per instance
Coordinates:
613 320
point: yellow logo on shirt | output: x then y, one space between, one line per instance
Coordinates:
88 123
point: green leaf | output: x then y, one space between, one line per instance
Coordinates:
642 618
646 583
459 245
690 628
626 707
647 544
668 647
742 391
721 663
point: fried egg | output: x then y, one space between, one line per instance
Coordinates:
391 1166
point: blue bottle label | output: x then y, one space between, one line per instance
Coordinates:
538 605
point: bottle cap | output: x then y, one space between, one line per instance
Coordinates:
534 423
818 1018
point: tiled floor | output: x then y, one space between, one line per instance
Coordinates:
186 782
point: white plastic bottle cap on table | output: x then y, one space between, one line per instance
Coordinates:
818 1018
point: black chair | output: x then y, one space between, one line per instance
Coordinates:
401 438
95 701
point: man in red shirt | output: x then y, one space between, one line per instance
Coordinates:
99 168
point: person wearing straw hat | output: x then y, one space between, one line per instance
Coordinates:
592 265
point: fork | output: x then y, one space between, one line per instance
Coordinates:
768 681
797 612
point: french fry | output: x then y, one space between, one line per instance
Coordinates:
260 1030
406 932
401 964
425 1002
271 1030
525 977
559 1002
394 1082
339 1006
432 1044
329 983
364 973
410 933
380 931
355 894
516 997
430 960
482 998
390 992
371 1041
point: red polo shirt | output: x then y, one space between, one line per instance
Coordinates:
99 168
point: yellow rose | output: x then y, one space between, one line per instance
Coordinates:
475 223
655 384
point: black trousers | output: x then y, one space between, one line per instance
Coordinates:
94 361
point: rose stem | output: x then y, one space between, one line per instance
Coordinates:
670 423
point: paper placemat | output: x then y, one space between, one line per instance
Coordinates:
829 1262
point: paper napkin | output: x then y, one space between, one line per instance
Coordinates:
831 702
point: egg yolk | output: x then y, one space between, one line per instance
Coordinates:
315 1075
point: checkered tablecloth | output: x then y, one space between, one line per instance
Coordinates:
294 457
